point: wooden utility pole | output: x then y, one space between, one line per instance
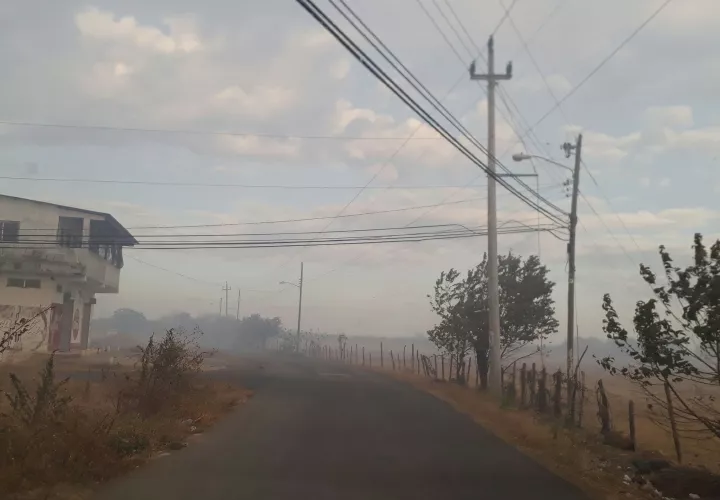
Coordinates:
226 289
492 78
571 261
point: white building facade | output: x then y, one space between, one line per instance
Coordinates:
54 259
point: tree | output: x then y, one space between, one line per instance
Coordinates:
677 337
526 310
256 330
129 321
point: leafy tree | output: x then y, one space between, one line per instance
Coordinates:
526 310
129 321
255 330
677 337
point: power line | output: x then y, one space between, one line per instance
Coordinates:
386 53
211 184
262 135
601 64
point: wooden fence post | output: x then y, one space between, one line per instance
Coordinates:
582 399
523 384
557 399
363 356
412 357
531 383
603 408
631 422
392 358
542 392
673 424
404 365
382 356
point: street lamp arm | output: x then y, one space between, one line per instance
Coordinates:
524 156
289 283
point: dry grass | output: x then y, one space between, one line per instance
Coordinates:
94 440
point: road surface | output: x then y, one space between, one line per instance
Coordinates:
327 432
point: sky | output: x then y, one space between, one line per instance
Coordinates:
269 75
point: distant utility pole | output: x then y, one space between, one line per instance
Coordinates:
492 78
237 313
220 312
226 289
568 148
300 305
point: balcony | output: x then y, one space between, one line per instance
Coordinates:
69 264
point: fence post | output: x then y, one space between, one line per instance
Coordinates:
631 422
363 356
392 358
523 384
542 391
557 400
404 365
382 356
412 357
582 399
417 361
370 360
603 408
469 371
673 425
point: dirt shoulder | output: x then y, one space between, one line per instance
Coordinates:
60 438
578 455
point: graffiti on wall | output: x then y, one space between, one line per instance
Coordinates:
76 327
36 335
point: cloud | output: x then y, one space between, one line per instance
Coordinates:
102 25
669 116
340 69
260 102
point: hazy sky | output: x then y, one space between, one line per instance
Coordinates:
649 117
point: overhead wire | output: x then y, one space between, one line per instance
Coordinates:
388 54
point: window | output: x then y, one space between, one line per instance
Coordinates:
9 231
23 283
70 232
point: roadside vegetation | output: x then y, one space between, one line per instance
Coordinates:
60 436
650 429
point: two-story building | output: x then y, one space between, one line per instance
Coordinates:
53 260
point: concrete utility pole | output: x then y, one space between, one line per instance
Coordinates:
492 79
237 313
300 305
568 148
226 289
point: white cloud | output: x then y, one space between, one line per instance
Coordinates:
102 25
260 102
260 146
669 116
340 69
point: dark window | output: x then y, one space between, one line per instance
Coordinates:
23 283
9 231
70 232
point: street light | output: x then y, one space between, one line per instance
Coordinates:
524 156
568 148
300 286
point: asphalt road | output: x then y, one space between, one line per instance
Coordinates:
317 432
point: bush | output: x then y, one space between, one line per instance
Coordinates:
166 370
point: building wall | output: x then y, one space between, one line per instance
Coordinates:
33 215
